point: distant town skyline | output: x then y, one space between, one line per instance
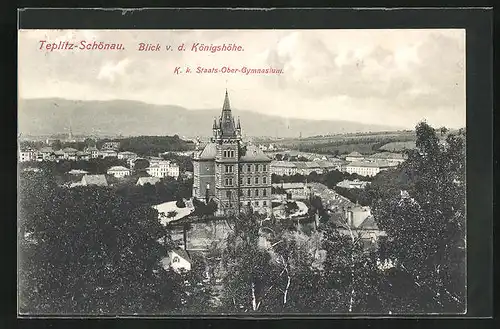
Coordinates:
389 77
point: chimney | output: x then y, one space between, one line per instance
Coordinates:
349 218
184 236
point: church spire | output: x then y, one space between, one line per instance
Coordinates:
226 106
226 119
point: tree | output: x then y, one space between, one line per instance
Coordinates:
89 142
180 203
422 209
141 164
89 251
56 145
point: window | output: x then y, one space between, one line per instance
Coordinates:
264 193
249 193
264 202
257 203
264 167
256 180
264 180
256 192
256 167
249 181
175 259
228 194
225 154
241 181
249 168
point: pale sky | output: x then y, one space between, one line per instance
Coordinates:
390 77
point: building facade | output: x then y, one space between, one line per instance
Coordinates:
366 168
118 171
162 169
234 174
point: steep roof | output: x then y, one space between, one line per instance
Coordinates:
118 168
355 154
301 165
69 150
287 186
284 164
183 253
209 152
46 149
325 164
368 224
252 153
147 180
377 164
387 155
99 180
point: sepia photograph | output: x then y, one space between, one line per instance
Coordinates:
229 172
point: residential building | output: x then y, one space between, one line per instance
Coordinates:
113 146
46 153
354 156
80 155
349 184
178 260
69 153
77 172
368 168
127 155
163 168
94 152
108 153
290 168
233 173
26 155
296 191
97 180
395 158
32 169
360 221
147 180
118 171
283 168
59 155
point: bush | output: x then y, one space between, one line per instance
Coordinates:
180 204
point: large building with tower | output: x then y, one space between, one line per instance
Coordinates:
236 175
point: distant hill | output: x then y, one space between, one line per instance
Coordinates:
49 116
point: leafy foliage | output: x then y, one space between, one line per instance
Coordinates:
422 209
153 145
89 251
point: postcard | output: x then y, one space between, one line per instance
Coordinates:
241 172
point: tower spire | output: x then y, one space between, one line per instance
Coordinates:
226 120
226 106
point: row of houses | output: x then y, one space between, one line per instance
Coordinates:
100 180
351 184
391 157
290 168
354 163
69 153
